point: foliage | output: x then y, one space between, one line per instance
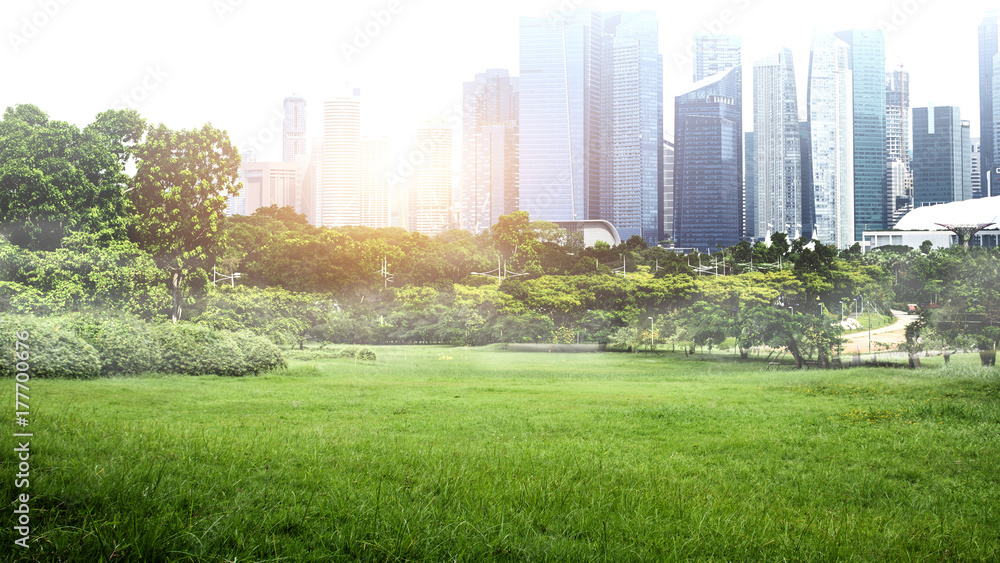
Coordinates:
194 349
54 349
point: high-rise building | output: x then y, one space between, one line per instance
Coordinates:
341 193
374 182
489 149
266 184
293 129
314 181
977 171
808 194
560 114
668 190
430 198
989 96
830 131
714 53
636 126
899 179
867 65
777 147
749 185
708 171
942 161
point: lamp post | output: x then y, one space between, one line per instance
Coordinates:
651 344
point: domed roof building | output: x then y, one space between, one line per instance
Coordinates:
980 217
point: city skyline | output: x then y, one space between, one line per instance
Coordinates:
309 51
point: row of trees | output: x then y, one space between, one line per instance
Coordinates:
82 233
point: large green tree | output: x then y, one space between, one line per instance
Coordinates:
180 188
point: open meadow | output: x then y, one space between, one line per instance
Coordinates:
474 454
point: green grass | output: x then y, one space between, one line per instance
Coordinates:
500 456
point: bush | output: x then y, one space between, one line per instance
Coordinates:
261 354
54 349
357 353
125 344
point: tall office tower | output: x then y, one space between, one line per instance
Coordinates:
237 204
867 65
489 149
942 163
808 195
977 171
989 96
266 184
342 160
430 198
668 190
560 115
374 182
777 147
831 136
715 53
899 180
749 186
293 129
636 127
708 171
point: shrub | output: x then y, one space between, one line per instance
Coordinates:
261 354
357 353
125 344
54 349
193 349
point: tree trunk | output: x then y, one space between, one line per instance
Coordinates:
793 347
914 361
176 280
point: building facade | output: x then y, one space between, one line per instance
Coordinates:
293 129
708 167
374 207
989 96
489 149
831 136
899 178
715 53
777 148
341 192
942 163
430 199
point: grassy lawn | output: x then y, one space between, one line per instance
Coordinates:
441 454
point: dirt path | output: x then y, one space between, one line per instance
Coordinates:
884 338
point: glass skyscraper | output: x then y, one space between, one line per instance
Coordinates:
867 65
749 185
989 100
942 160
899 180
777 147
489 149
708 167
715 53
831 140
293 130
635 159
560 114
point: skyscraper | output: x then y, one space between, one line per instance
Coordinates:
777 148
489 149
708 167
942 163
977 170
867 65
374 183
899 180
831 140
636 127
714 53
293 130
430 199
749 185
341 194
989 47
560 114
668 190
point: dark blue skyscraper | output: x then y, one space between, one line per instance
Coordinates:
989 45
942 160
867 65
708 167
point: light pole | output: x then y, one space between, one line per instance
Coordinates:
650 333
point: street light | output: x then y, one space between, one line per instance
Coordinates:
650 333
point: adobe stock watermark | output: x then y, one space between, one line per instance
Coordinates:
135 96
267 134
718 25
366 33
225 7
31 25
900 15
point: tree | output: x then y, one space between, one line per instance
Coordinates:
54 177
179 191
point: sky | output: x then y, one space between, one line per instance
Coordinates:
231 63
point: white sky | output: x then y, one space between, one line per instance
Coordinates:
231 62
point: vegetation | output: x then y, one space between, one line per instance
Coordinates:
434 453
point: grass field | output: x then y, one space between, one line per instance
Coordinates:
444 454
